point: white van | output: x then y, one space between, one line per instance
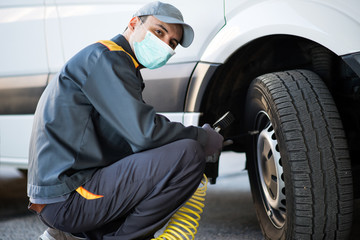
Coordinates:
289 70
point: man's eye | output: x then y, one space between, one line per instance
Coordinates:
159 32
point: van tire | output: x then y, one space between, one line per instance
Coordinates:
298 161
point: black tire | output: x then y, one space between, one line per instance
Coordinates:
298 162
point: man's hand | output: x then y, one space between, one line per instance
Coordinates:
214 142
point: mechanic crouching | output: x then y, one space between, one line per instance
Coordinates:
103 164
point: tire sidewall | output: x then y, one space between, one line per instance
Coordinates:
259 99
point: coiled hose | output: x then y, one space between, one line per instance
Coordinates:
184 223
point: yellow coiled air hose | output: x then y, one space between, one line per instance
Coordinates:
184 223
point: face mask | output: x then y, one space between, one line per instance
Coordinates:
152 52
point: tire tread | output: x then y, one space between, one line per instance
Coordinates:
312 129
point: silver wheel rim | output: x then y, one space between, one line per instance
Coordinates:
271 175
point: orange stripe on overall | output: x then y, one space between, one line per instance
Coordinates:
86 194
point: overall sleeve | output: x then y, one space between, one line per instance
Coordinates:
116 93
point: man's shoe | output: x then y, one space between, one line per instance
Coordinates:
54 234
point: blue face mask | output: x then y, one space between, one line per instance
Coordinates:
152 52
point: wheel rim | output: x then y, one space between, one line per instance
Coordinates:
270 172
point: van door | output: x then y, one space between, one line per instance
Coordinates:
23 74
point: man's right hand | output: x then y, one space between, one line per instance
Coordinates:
214 142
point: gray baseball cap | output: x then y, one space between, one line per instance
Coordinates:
169 14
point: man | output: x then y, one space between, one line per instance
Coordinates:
103 164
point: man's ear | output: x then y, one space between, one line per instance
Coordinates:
133 23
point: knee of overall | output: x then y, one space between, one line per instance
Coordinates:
193 153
